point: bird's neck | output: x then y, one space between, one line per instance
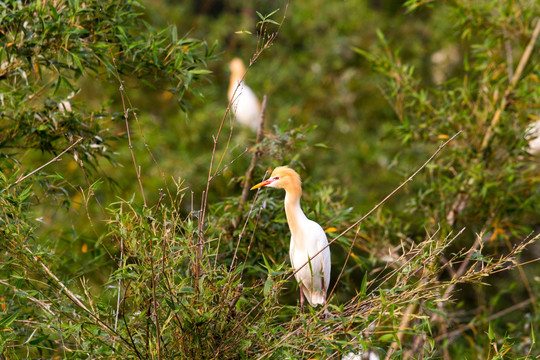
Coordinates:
234 80
294 213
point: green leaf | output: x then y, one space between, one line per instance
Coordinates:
363 287
6 322
200 71
268 286
25 194
387 338
77 62
243 32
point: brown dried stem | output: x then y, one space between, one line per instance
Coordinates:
410 178
56 158
519 71
255 154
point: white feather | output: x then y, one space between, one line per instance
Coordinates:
245 106
533 135
306 242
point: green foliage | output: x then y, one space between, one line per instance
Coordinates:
49 47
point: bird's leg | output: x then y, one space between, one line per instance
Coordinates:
301 299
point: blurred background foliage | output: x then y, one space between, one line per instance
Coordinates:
360 94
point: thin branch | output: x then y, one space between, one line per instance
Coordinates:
56 158
380 203
41 303
255 155
258 53
154 298
243 230
128 132
229 164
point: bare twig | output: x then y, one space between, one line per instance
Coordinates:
344 266
41 303
56 158
255 155
244 228
128 132
215 138
119 295
380 203
154 298
229 164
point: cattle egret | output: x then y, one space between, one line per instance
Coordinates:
307 239
245 106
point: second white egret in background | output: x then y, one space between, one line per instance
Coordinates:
244 103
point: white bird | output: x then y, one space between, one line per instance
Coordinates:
307 239
360 356
244 103
533 136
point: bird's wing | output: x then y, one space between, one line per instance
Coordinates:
246 106
326 265
291 251
320 241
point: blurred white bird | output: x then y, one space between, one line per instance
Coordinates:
360 356
533 135
307 239
245 105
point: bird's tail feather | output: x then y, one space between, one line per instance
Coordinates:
314 296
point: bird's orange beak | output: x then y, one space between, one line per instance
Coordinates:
264 183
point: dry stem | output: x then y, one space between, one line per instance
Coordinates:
56 158
521 66
255 155
382 201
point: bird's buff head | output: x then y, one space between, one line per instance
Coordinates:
282 177
237 67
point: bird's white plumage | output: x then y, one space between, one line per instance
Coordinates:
245 105
315 276
533 135
312 269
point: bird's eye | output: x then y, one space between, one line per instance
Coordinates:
276 177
